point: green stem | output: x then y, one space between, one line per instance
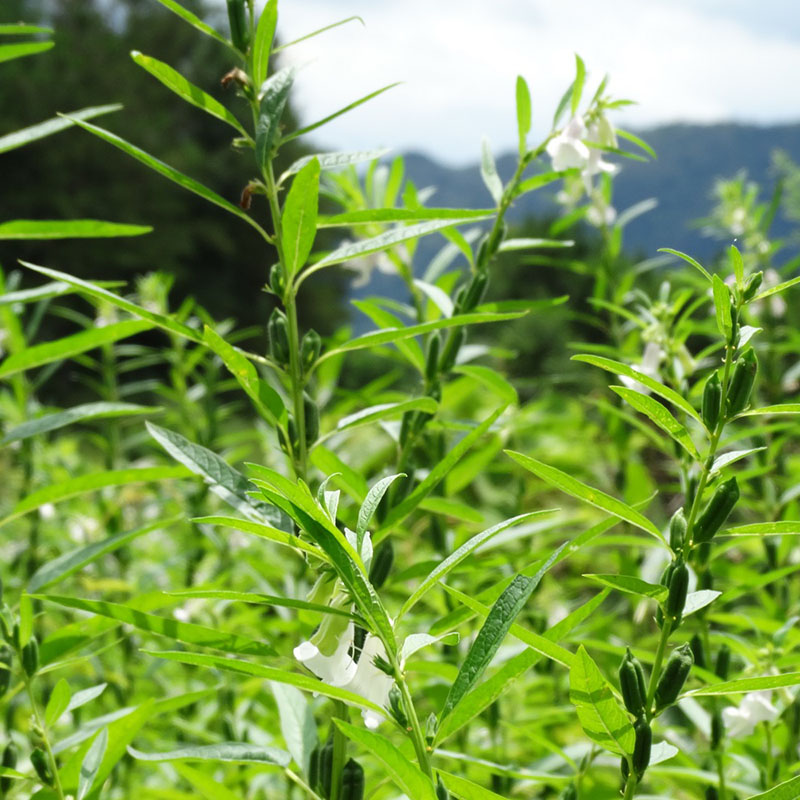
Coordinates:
630 785
41 725
416 733
295 778
657 663
339 751
768 747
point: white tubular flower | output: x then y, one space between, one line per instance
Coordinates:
650 364
600 213
327 653
567 150
601 132
371 682
754 708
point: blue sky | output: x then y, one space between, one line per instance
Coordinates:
681 60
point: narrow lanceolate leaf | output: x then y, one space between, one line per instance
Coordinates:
186 632
467 790
272 101
82 413
457 556
84 484
91 764
169 172
57 703
68 229
722 306
403 772
782 408
386 411
298 726
489 172
777 289
22 28
689 260
491 635
61 349
600 715
193 20
534 244
651 408
222 478
368 216
299 220
784 527
304 682
228 752
262 43
8 52
492 380
266 600
631 585
371 502
30 134
654 386
788 790
61 567
699 599
726 459
744 685
333 161
523 112
569 485
185 89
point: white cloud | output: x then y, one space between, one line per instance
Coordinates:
700 61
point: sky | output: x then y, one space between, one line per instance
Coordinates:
681 60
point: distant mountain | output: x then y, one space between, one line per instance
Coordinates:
690 159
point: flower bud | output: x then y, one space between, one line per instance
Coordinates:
752 285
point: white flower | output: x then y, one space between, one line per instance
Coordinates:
601 132
47 511
567 150
651 361
600 213
754 708
370 682
327 653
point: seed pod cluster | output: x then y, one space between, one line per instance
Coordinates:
712 401
6 656
718 509
677 530
723 664
675 673
352 781
311 413
742 379
475 291
42 766
642 746
30 657
278 331
632 684
676 597
10 762
310 349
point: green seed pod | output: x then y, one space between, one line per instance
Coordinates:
326 767
475 291
278 330
734 337
42 767
441 790
703 554
723 664
277 284
6 657
10 762
744 375
310 349
713 516
454 342
678 587
352 781
313 768
641 747
698 651
752 285
291 428
382 560
311 413
711 793
240 27
675 673
632 685
570 792
712 401
717 730
432 357
677 530
30 657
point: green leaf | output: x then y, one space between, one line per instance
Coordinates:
491 635
572 486
654 386
44 292
190 184
83 484
637 141
9 52
91 764
467 790
369 216
781 528
99 292
788 790
333 161
371 502
773 289
262 43
689 260
68 229
737 264
85 696
223 479
227 752
533 244
186 632
265 599
726 459
21 28
194 21
185 89
437 474
577 86
699 599
61 349
489 172
304 682
387 411
457 556
406 775
317 32
57 703
69 563
600 715
490 379
651 408
523 113
415 642
299 221
389 335
722 304
538 181
33 132
82 413
744 685
782 408
630 585
203 784
298 726
276 535
272 101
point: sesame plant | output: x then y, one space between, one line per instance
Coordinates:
350 566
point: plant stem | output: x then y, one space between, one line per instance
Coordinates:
41 725
416 733
295 778
339 751
657 663
630 787
768 747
